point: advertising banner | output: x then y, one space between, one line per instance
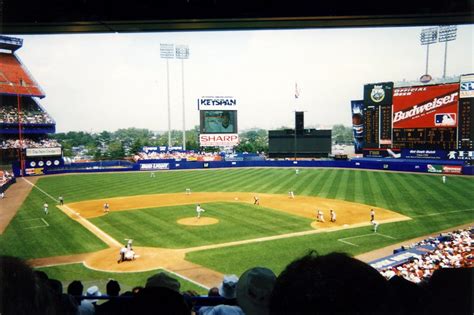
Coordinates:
466 86
217 103
452 169
401 257
424 154
357 108
34 171
382 153
30 152
218 140
378 94
460 155
426 106
434 168
154 166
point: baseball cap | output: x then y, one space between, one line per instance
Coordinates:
227 287
254 289
93 291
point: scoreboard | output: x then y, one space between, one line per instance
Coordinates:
428 138
419 117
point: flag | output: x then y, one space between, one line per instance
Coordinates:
297 91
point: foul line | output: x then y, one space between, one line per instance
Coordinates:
44 192
84 222
343 240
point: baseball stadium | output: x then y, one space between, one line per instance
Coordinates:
200 217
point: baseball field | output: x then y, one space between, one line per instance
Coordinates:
79 241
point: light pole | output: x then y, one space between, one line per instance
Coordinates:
182 52
446 33
167 52
428 36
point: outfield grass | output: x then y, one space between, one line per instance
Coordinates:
157 227
423 197
68 273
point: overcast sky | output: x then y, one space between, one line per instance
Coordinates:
110 81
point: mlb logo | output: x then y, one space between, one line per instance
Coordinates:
445 119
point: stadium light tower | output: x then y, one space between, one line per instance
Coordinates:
428 36
167 52
182 52
447 33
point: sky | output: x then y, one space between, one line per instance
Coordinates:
96 82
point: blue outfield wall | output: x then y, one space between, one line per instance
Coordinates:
420 166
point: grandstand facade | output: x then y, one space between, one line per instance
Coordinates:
24 123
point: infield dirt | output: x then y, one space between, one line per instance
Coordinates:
349 215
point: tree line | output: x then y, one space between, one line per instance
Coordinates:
129 141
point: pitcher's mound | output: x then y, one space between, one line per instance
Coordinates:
198 222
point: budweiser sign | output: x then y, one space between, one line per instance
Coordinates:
426 107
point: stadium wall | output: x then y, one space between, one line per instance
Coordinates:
420 166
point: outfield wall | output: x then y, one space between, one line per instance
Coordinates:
419 166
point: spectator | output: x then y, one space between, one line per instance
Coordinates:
113 305
254 289
162 280
227 290
334 283
85 307
20 291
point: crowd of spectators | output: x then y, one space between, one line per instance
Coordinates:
5 177
177 155
29 115
28 143
330 284
451 250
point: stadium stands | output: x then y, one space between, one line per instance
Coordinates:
31 112
15 79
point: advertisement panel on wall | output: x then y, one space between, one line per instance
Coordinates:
466 86
30 152
217 103
424 154
357 108
218 140
378 94
426 106
154 166
218 121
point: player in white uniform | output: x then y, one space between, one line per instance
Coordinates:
375 224
45 206
106 207
199 210
320 216
188 191
333 216
291 194
444 179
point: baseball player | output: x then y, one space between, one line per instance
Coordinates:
444 179
333 216
320 216
256 200
199 210
188 191
375 224
152 175
297 171
106 207
372 215
291 194
45 206
61 200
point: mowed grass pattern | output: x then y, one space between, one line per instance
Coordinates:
157 227
423 197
